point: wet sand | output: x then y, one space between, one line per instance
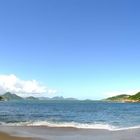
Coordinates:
46 133
4 136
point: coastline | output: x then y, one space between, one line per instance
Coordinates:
48 133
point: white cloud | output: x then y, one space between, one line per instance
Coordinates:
13 84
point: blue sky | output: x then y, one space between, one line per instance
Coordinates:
82 48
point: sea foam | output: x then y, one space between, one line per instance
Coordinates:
72 125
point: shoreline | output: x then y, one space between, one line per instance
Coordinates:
50 133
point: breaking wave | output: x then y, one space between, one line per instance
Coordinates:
71 125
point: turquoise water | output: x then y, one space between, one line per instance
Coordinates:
70 114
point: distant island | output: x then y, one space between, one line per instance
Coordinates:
10 96
124 98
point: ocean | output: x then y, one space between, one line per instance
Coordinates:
78 114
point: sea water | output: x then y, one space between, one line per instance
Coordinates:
79 114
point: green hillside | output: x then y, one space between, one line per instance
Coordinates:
125 98
1 98
135 97
118 97
10 96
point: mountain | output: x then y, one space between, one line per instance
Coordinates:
10 96
124 98
31 98
44 98
118 97
135 97
58 98
1 98
71 99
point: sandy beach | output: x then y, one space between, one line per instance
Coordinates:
45 133
4 136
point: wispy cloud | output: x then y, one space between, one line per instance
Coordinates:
16 85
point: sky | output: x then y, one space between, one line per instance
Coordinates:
71 48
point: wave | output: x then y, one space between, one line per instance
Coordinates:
71 125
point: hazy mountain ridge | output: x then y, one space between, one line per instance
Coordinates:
119 98
10 96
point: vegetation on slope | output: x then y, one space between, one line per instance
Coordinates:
125 98
118 97
1 98
135 97
10 96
